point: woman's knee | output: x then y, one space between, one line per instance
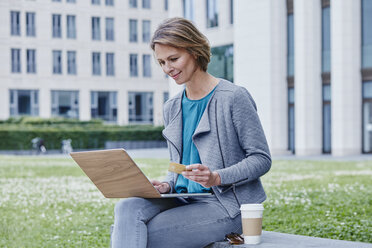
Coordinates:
129 205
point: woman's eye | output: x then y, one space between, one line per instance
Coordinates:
173 59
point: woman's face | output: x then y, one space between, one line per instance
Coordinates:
176 62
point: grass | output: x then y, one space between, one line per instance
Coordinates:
49 202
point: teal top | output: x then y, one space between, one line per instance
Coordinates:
192 111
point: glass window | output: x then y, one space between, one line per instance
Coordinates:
146 4
65 103
24 102
133 65
110 65
222 62
166 5
132 30
57 62
96 29
188 9
140 106
231 11
133 3
109 2
146 31
71 1
366 34
104 105
327 118
56 26
16 60
109 28
31 60
30 24
326 40
212 13
71 27
146 59
165 96
96 63
291 120
71 62
15 23
96 2
290 46
367 117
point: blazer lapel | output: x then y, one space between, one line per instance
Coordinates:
173 131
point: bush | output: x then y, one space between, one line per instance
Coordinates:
16 134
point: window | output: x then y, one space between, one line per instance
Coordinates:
24 102
212 13
57 29
71 1
30 24
71 62
96 63
109 2
326 40
146 31
188 9
133 3
166 5
146 4
133 65
165 96
222 62
71 27
366 34
327 118
291 119
57 62
65 104
290 46
132 30
56 0
110 66
15 23
96 29
367 117
140 107
16 60
31 60
104 105
96 2
146 60
231 11
109 28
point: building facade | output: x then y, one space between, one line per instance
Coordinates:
81 59
306 63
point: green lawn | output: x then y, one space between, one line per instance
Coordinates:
49 202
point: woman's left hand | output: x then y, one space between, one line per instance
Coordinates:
202 174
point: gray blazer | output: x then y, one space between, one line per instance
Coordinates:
229 139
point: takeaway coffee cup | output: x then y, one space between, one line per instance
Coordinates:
252 222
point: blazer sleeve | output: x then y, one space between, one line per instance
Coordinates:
251 139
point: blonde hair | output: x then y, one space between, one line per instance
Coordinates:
181 33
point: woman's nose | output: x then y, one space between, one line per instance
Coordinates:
167 68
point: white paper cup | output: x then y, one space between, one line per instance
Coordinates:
252 222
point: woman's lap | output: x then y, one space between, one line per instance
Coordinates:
193 225
171 222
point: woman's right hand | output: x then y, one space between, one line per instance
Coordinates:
161 187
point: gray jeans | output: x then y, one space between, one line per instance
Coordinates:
175 222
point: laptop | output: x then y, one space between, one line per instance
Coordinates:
116 175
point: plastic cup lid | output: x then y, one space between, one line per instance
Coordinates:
252 207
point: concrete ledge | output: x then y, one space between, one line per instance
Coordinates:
283 240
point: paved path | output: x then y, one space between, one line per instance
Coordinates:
283 240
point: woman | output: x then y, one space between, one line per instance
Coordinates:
211 126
